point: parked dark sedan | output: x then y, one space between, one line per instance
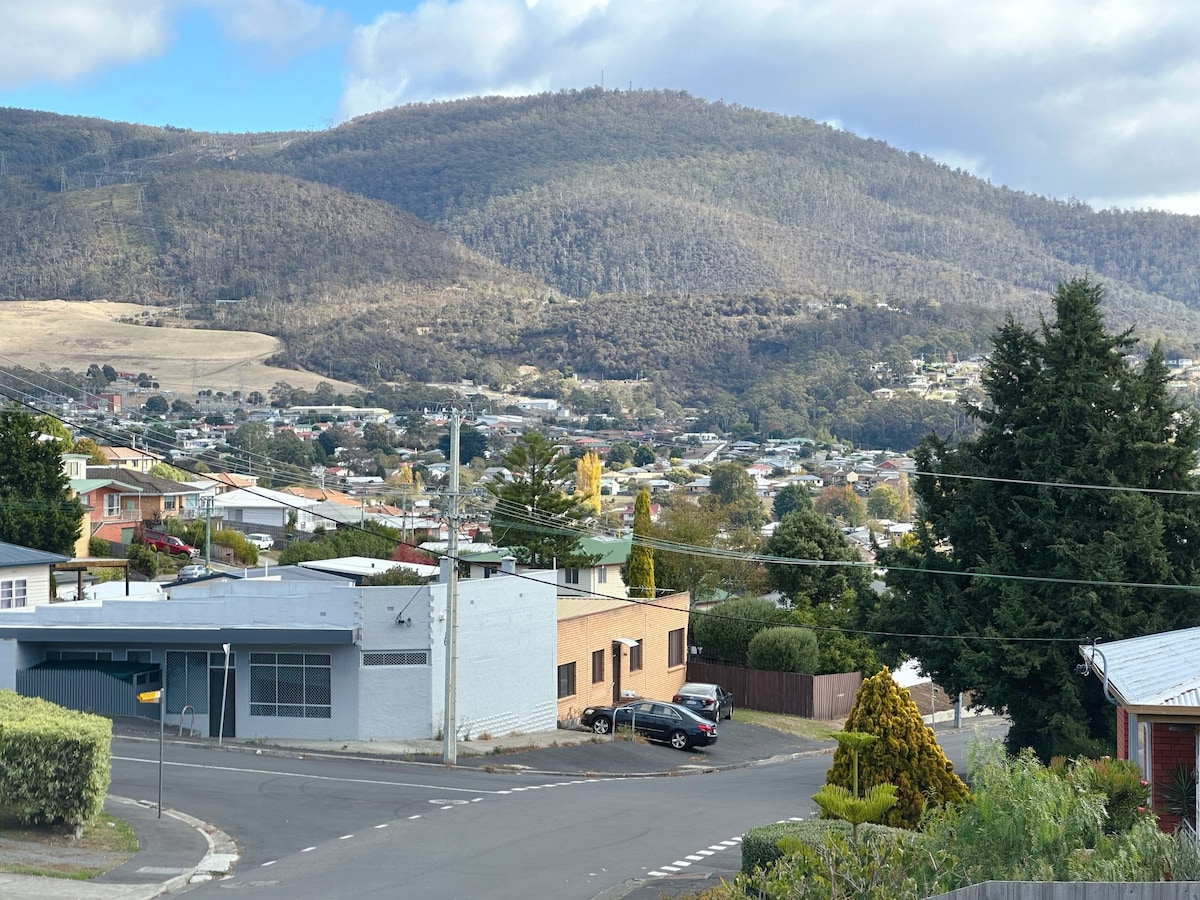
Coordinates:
676 725
709 700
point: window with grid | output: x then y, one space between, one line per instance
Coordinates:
602 575
95 655
292 685
566 680
675 647
635 657
597 666
571 576
112 504
396 658
14 593
186 680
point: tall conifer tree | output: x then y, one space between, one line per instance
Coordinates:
639 575
36 506
1065 408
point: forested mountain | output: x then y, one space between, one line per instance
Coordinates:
737 260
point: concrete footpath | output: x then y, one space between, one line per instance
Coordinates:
174 850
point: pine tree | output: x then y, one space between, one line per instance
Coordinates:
1064 408
639 571
906 754
534 516
36 506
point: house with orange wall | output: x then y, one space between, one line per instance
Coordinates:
612 650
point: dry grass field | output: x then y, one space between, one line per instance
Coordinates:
60 333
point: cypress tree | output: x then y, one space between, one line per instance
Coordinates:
639 574
36 506
1065 408
906 753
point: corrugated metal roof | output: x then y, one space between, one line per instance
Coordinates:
16 555
1151 670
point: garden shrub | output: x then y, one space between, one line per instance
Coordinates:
54 762
784 649
906 755
760 846
1127 794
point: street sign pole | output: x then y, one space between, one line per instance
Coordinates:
159 697
162 717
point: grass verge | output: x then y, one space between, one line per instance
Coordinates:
54 853
809 729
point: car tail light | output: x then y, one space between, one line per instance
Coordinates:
708 729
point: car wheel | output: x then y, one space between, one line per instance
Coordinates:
601 725
680 740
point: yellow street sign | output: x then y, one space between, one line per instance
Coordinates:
149 696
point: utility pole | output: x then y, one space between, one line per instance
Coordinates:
208 502
450 726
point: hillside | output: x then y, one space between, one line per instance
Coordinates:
734 259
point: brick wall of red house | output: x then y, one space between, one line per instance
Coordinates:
1167 750
1122 733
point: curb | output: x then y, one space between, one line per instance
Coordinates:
220 859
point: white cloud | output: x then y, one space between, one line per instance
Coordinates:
64 39
287 26
1082 97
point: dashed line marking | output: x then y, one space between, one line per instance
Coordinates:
308 849
698 856
384 825
345 837
413 817
477 799
271 863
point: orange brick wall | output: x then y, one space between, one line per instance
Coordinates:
580 635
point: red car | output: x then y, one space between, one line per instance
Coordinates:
168 543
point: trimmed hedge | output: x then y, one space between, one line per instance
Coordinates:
54 762
760 846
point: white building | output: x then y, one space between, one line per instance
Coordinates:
306 660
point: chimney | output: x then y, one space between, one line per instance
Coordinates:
508 565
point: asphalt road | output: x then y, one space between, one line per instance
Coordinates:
319 828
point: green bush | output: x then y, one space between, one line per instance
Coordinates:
99 547
143 559
784 649
880 867
244 553
1127 794
726 630
906 755
54 762
760 846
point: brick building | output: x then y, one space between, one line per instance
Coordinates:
613 650
1154 683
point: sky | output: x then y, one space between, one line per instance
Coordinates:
1096 100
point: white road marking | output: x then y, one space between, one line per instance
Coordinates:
271 863
345 837
384 825
308 849
407 784
681 863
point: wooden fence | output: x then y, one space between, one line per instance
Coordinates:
811 696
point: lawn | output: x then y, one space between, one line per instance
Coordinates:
55 853
810 729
